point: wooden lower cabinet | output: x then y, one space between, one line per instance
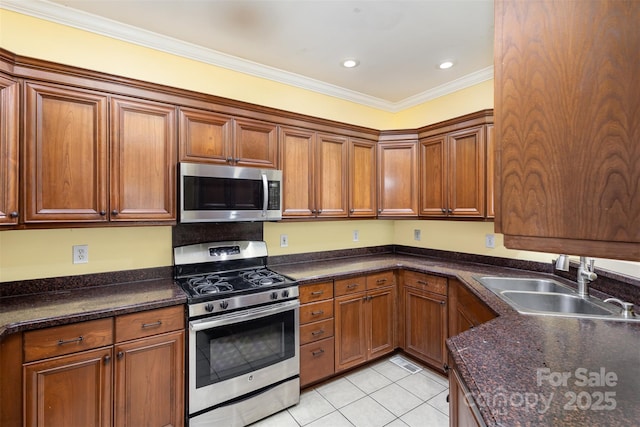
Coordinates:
425 317
134 382
71 390
316 332
364 319
461 411
466 310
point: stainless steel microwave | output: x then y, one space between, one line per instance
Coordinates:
213 193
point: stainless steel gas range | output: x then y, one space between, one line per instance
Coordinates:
243 339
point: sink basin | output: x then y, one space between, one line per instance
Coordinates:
524 284
555 303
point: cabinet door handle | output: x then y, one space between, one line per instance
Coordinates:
229 159
114 212
379 210
316 293
443 303
317 352
351 210
445 367
79 339
103 212
316 313
107 359
449 211
120 354
237 159
443 210
318 332
13 214
151 325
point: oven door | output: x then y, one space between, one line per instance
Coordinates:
238 353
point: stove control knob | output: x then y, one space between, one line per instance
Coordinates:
274 295
285 293
224 304
209 307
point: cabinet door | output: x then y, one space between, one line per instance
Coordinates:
362 178
9 131
143 161
433 176
255 143
568 133
398 178
149 381
462 412
72 390
425 326
65 149
380 312
297 158
204 136
331 173
350 331
490 193
466 173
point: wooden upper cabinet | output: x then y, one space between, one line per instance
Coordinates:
143 161
567 108
9 132
255 143
314 170
490 172
453 174
65 154
297 162
362 178
331 172
397 178
204 136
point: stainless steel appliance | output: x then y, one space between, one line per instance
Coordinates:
243 339
213 193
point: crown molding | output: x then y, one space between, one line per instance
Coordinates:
56 13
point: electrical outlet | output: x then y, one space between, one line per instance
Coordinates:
284 240
356 235
80 254
490 240
416 234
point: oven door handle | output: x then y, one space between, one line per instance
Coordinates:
244 315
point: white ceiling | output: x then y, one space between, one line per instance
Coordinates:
399 43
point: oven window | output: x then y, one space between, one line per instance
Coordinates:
221 194
228 351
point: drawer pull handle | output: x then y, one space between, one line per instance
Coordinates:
63 342
120 355
318 332
352 286
151 325
317 352
422 282
316 313
316 293
381 281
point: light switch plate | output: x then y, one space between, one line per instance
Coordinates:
416 234
284 240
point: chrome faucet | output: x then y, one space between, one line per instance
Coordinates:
585 275
585 272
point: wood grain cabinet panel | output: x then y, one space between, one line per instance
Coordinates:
453 174
204 136
255 143
567 109
398 178
316 361
9 135
362 178
331 172
466 310
143 161
425 326
462 412
65 175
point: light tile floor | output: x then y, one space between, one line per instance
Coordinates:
377 395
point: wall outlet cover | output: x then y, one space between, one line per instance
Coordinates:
356 235
80 254
490 240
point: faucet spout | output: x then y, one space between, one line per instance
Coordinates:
585 275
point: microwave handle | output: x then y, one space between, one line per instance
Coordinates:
265 191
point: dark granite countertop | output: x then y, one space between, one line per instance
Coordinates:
58 307
511 363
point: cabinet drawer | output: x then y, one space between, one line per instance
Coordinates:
67 339
316 331
151 322
316 292
425 282
386 278
316 311
350 286
316 361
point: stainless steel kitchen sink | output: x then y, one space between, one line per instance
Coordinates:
544 302
549 297
524 284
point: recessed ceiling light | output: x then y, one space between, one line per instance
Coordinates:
350 63
445 65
